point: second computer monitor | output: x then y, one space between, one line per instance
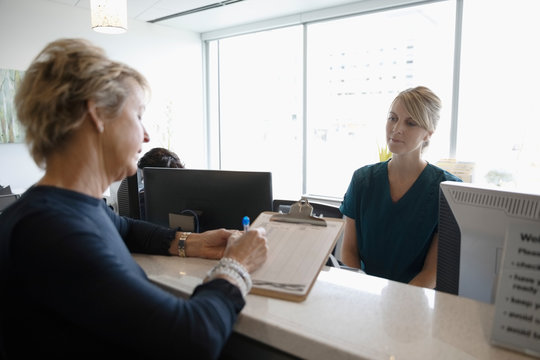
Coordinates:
473 224
214 198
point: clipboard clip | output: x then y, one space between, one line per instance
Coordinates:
300 213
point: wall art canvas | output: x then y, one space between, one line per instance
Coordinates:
11 130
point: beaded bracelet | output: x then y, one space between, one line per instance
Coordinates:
235 270
237 279
238 268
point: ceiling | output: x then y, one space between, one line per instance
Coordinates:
233 13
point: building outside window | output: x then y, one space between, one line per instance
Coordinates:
356 66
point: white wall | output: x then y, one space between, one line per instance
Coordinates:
171 60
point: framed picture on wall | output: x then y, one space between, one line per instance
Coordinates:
11 130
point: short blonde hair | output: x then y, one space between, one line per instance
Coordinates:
52 99
423 106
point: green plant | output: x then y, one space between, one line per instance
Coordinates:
384 153
499 177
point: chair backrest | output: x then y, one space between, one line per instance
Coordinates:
6 200
127 198
5 190
326 210
282 205
122 198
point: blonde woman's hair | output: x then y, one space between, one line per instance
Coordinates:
52 99
422 105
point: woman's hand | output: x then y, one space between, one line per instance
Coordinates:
249 249
209 244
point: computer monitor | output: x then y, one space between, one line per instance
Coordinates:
219 198
473 221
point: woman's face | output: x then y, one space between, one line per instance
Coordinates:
125 136
403 134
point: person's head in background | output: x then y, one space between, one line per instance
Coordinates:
160 157
413 118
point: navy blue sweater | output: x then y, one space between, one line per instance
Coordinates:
71 289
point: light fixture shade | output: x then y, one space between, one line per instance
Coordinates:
109 16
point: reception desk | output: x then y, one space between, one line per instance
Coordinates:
349 315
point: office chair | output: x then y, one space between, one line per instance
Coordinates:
5 190
127 198
6 200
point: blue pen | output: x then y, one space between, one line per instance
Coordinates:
245 222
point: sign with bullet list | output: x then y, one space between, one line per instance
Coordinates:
517 305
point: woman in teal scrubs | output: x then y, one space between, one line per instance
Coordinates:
391 208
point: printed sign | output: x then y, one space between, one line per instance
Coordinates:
517 305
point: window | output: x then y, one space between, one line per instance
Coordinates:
355 68
500 73
260 105
345 72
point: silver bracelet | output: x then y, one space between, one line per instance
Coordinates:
239 268
221 270
235 270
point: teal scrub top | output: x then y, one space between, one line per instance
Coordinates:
393 238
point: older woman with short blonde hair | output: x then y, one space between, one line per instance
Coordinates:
69 285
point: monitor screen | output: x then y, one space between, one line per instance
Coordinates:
472 227
211 198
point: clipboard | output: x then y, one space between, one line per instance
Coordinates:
298 246
301 212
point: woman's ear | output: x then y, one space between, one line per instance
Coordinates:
428 136
95 117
